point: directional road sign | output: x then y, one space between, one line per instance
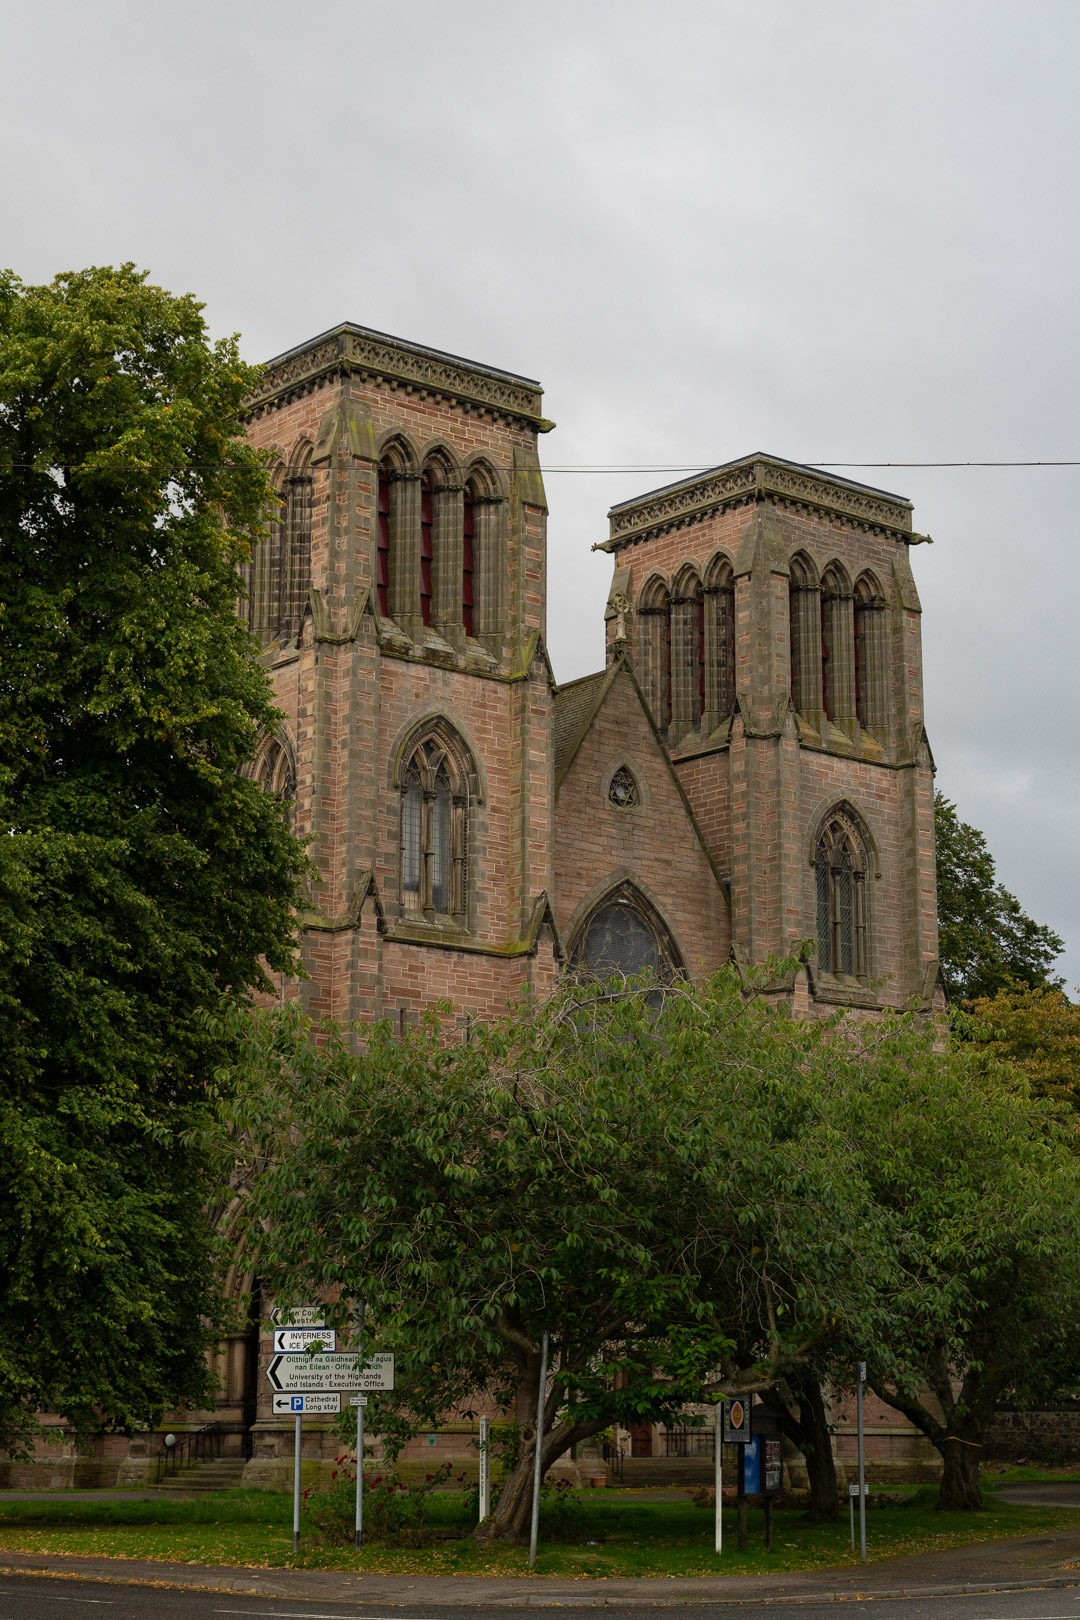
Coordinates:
298 1316
295 1405
291 1341
341 1372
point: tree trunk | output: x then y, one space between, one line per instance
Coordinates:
817 1450
960 1491
810 1433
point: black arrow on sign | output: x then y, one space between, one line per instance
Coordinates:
271 1372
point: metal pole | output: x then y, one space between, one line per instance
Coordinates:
359 1534
296 1488
718 1472
541 1402
485 1468
851 1506
862 1466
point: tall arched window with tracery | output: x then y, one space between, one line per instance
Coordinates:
427 544
436 788
295 581
382 543
468 559
871 660
840 870
275 772
837 647
654 621
719 642
687 654
806 643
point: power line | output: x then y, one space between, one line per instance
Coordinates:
578 467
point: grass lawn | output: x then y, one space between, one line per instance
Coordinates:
602 1536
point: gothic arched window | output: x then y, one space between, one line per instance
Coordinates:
840 863
837 647
468 560
275 773
871 664
687 654
719 642
382 545
807 664
295 581
434 825
624 937
427 545
654 615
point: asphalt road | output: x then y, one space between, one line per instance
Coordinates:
36 1598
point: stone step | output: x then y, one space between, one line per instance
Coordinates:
223 1474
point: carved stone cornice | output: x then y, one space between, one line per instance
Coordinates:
349 349
753 479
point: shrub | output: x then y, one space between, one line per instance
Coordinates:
394 1512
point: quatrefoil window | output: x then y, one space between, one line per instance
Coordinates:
623 790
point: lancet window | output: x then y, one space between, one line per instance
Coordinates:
275 772
654 620
871 661
427 545
718 643
837 647
277 579
687 654
468 560
840 868
434 827
807 662
382 553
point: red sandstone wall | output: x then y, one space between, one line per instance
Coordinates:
595 840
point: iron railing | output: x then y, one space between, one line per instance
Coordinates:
684 1441
201 1445
613 1457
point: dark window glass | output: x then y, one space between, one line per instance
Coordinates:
427 552
440 844
619 941
824 930
382 556
412 810
468 537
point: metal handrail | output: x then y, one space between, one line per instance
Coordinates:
613 1457
198 1445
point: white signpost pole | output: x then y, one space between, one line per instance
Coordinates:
718 1472
538 1464
296 1488
485 1468
862 1466
360 1437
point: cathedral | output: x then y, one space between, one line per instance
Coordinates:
747 773
748 770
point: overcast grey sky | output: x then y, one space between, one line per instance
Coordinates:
837 230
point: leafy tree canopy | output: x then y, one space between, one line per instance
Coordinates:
671 1195
986 1182
1035 1029
142 877
986 940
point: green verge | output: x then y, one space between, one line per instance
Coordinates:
600 1536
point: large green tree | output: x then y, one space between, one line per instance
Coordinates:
986 1183
986 940
665 1192
143 878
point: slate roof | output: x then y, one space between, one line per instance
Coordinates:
572 705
